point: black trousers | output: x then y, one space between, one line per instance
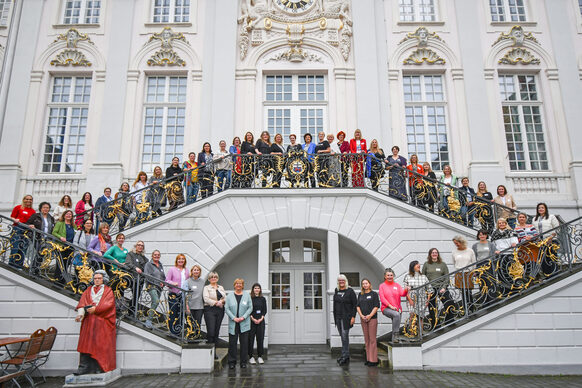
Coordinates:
197 317
213 317
257 331
243 338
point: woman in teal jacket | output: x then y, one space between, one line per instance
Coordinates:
239 307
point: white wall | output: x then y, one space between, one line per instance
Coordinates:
27 306
539 334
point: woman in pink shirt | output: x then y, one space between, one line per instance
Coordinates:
390 294
178 276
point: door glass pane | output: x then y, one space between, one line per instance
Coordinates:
281 291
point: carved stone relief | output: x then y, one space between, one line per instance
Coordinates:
72 55
423 54
517 35
326 20
166 56
519 55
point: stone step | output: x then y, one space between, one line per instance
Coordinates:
220 359
383 360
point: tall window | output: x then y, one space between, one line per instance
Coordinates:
507 10
82 11
171 11
417 10
164 122
4 11
522 118
426 119
295 102
67 124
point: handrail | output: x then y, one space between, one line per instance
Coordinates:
69 268
297 169
467 292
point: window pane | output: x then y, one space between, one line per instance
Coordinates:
4 11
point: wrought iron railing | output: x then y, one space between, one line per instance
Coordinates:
68 268
471 291
297 169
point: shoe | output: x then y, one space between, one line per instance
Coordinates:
344 361
243 365
367 363
339 359
373 363
231 366
260 360
252 361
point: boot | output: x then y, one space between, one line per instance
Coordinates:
84 365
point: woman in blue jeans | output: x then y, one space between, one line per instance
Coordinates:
344 314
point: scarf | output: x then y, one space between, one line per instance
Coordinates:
96 296
103 240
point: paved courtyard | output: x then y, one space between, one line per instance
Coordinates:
312 366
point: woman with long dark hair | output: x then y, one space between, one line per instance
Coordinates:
206 171
248 162
368 305
257 323
434 269
84 209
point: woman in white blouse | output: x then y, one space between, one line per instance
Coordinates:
463 257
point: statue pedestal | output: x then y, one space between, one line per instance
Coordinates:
96 380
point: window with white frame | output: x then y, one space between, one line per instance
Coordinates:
164 121
418 10
522 120
295 104
4 11
82 12
580 6
171 11
426 119
68 111
507 10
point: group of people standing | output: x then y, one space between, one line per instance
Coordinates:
245 310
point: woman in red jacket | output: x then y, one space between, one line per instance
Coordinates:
358 146
84 209
18 240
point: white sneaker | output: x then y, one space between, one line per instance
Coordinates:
260 360
252 361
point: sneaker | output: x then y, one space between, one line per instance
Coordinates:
252 361
260 360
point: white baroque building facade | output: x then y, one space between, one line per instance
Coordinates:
92 92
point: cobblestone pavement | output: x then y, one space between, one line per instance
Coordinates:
313 366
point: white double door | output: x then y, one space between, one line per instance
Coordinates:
298 306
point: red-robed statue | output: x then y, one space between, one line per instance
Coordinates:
96 310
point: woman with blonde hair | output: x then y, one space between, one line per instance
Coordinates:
462 258
195 306
177 276
358 146
344 315
214 298
238 307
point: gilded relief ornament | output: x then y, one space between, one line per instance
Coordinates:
422 36
72 37
517 35
326 20
519 55
71 55
423 54
166 56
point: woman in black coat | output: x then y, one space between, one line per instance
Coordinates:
344 315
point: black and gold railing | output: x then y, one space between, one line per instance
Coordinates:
295 170
469 292
141 299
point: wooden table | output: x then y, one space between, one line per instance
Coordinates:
7 341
